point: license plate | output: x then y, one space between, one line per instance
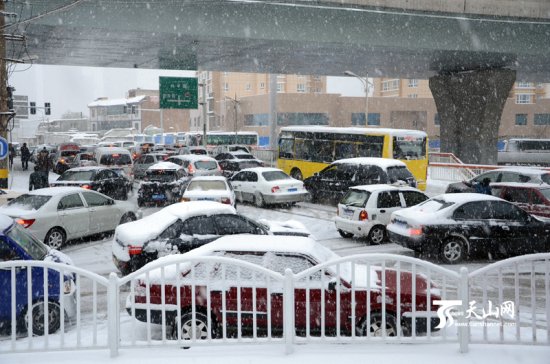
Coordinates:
347 213
159 197
205 199
292 189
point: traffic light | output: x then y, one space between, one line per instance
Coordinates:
33 107
47 108
10 97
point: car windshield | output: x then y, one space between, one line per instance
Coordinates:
116 159
275 175
29 243
206 185
545 192
29 202
69 153
162 175
399 174
434 204
208 165
545 178
244 156
249 164
71 175
356 198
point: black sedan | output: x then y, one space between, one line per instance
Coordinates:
456 226
163 184
100 179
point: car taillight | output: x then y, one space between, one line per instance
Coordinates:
363 215
25 222
185 199
191 169
275 189
226 201
134 250
415 231
88 187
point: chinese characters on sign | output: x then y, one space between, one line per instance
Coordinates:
178 92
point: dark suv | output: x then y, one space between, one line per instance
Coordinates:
334 181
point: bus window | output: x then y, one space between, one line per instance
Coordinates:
304 148
344 150
286 148
322 151
369 150
405 148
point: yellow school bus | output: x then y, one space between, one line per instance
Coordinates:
305 150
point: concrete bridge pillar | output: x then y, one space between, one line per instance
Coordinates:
470 105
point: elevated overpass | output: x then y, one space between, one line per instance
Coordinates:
471 50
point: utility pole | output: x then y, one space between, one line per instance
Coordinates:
4 112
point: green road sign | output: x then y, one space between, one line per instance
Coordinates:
178 92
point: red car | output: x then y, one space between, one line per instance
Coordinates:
531 197
233 294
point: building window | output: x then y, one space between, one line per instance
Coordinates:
542 119
248 87
437 119
301 87
290 118
280 87
524 85
358 119
523 98
412 96
262 85
413 82
374 119
391 85
521 119
226 86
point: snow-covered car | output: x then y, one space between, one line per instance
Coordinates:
197 165
17 244
181 227
210 188
366 210
226 291
164 183
145 161
516 174
58 214
333 181
454 226
265 185
100 179
238 154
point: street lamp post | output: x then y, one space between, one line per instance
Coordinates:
366 85
235 103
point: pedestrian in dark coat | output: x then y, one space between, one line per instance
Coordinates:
36 180
25 156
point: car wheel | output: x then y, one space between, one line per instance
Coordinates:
377 234
55 238
127 218
38 315
376 327
344 234
452 250
259 200
201 327
296 174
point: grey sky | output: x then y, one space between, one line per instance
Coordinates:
73 88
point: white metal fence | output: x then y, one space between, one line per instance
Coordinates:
222 301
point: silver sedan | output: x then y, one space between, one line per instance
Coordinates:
56 215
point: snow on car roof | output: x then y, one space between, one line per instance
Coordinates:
523 169
465 197
208 178
194 157
382 162
53 191
104 150
262 169
164 165
149 227
89 168
5 222
383 187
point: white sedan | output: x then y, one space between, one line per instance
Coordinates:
264 185
209 188
58 214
